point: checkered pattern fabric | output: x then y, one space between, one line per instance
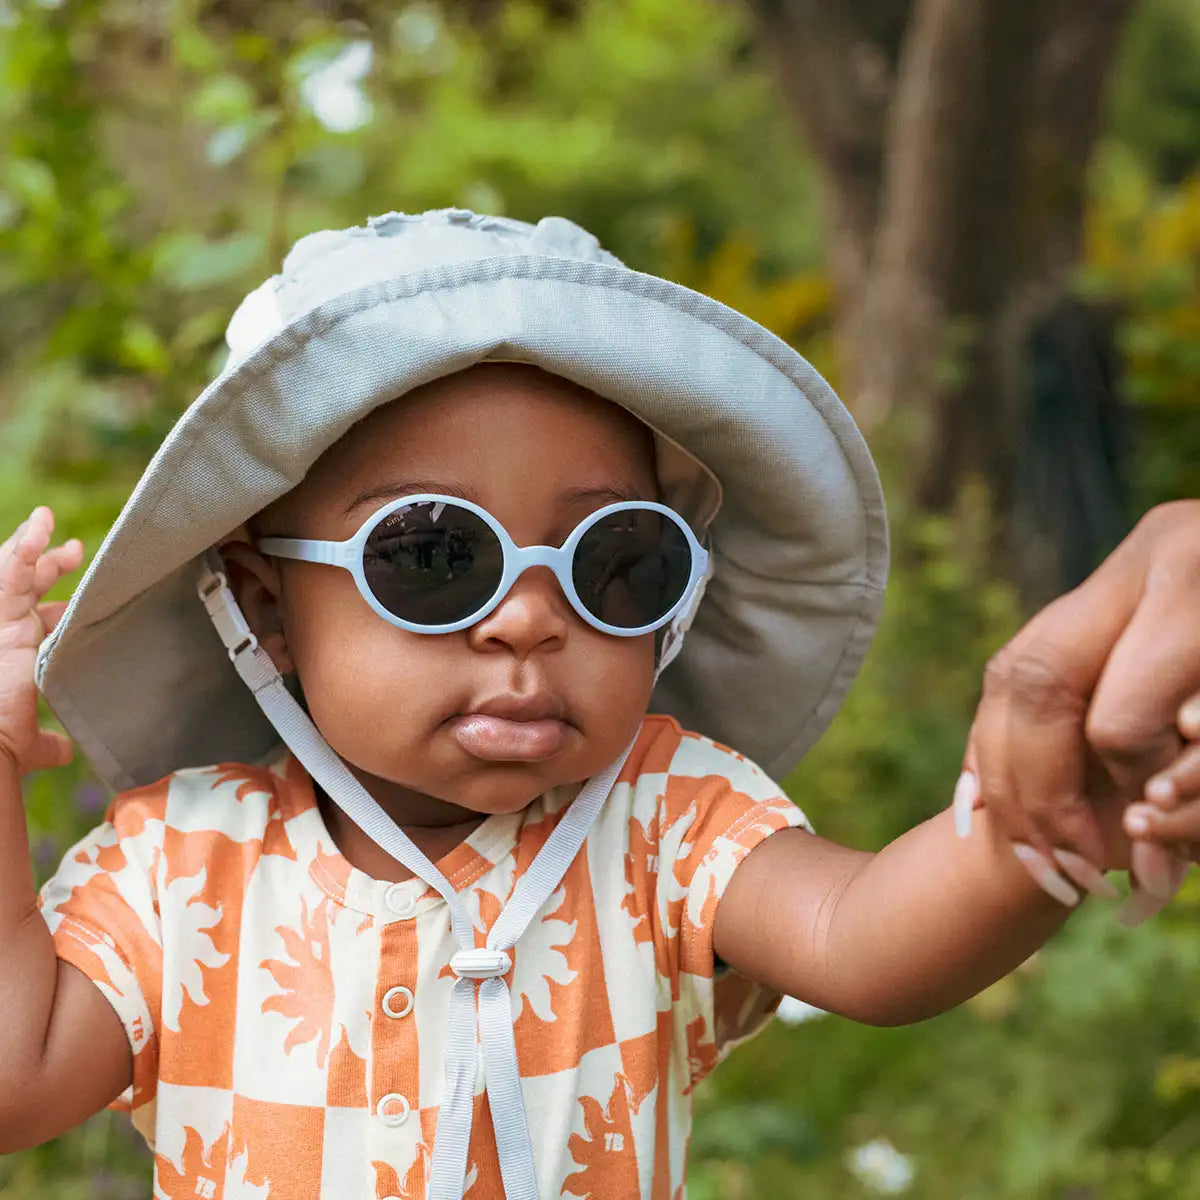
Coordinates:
287 1012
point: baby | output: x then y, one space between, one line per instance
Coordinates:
451 915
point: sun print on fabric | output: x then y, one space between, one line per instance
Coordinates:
306 980
605 1151
192 921
197 1176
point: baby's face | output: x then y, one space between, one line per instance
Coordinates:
539 454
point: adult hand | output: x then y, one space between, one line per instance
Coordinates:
1085 698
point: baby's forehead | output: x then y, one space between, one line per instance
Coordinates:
494 428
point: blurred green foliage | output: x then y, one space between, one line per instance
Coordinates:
156 161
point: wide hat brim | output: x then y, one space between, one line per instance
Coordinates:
135 670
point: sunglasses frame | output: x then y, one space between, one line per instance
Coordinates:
517 560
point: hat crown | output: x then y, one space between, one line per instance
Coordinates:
331 262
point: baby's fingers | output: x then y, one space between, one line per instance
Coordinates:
19 557
29 567
1177 783
1189 718
1173 813
50 614
55 563
52 749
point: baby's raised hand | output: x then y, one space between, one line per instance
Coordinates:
29 567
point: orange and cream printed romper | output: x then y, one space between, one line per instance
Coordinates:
287 1012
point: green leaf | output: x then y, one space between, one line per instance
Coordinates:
189 261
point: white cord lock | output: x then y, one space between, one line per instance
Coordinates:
480 964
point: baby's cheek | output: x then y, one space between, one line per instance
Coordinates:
613 685
368 688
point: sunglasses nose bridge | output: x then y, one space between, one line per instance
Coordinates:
526 557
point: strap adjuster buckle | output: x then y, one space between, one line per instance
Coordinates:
480 963
225 614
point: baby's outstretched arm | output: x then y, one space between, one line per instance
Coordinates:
884 938
63 1052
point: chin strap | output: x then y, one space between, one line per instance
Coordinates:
481 970
682 622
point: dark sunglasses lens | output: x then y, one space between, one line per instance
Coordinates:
432 563
631 567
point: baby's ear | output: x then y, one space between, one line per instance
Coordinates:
254 581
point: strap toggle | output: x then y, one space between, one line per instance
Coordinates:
480 964
225 614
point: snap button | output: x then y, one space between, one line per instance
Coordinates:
396 898
392 1118
397 1002
480 964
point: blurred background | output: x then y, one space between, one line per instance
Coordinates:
979 218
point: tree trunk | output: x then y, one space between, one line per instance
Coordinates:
954 137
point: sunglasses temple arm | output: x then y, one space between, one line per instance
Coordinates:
305 549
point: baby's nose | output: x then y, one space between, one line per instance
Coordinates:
535 615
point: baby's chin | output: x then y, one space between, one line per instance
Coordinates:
508 787
438 793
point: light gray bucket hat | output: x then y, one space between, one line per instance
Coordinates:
360 316
135 671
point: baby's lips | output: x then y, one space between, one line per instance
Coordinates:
497 739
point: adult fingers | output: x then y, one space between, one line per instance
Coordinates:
1154 666
1167 870
1032 718
986 779
989 784
1154 869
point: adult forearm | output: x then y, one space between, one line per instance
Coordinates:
930 921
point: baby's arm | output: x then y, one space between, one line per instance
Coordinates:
883 938
63 1052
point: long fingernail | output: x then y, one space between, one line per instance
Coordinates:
1140 907
1152 864
966 792
1086 875
1189 716
1044 875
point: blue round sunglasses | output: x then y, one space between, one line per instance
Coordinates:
438 564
